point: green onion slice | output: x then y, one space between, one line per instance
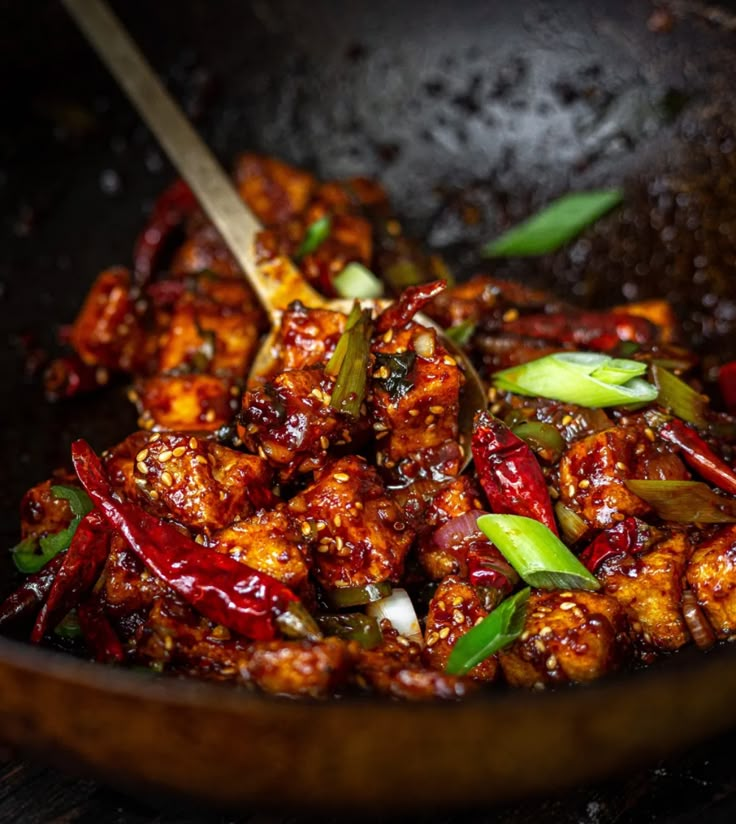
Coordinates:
349 362
544 438
555 225
354 626
462 333
536 553
316 234
356 281
680 398
583 378
31 555
497 630
572 526
343 597
69 626
686 502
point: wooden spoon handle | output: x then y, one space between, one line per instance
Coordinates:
187 151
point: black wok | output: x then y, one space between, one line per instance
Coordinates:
481 108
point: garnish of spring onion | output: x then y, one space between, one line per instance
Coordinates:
497 630
343 597
349 362
680 398
316 234
25 555
356 281
686 502
462 333
536 553
559 222
583 378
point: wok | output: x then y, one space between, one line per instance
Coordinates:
473 115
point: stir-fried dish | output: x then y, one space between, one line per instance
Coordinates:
317 530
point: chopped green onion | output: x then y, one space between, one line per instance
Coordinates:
403 273
572 526
356 281
69 626
685 502
682 400
555 225
344 597
316 234
582 378
350 363
497 630
544 438
26 555
352 627
536 553
462 333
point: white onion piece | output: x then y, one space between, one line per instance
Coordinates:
424 344
399 611
458 528
696 622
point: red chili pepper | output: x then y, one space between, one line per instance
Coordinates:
488 568
409 303
31 594
81 567
597 330
509 472
67 376
221 588
627 538
169 211
698 454
727 384
98 633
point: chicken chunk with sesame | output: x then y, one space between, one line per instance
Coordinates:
711 575
186 402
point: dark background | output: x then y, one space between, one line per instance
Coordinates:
486 109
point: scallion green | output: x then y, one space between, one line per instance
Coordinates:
356 281
316 234
350 363
462 333
680 398
685 502
555 225
496 631
583 378
536 553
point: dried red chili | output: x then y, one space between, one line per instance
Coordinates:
699 455
98 633
31 594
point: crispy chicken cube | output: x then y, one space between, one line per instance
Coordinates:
307 337
107 331
41 512
649 587
711 575
204 250
568 636
186 402
198 482
290 423
268 541
593 470
454 609
361 536
413 402
128 588
274 190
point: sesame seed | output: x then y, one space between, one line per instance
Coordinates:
321 525
405 642
153 495
337 520
524 635
413 413
192 443
584 484
200 459
649 433
444 632
432 639
448 360
154 438
618 516
141 467
323 548
359 505
429 419
209 415
551 662
262 452
388 336
539 645
306 528
341 477
142 455
492 394
566 420
324 442
381 373
478 620
179 451
338 543
621 466
165 455
571 490
166 479
457 601
458 617
251 429
545 631
437 410
169 643
510 315
567 605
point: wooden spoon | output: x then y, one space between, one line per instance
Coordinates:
276 285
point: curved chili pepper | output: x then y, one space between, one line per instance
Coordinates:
98 633
31 594
81 567
169 211
597 330
509 472
411 301
221 588
698 454
629 537
727 384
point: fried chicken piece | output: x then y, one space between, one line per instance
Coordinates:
186 402
361 536
199 483
413 401
268 541
649 586
568 636
593 469
41 512
204 250
307 337
454 609
711 575
274 190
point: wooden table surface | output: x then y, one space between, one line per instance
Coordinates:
696 786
